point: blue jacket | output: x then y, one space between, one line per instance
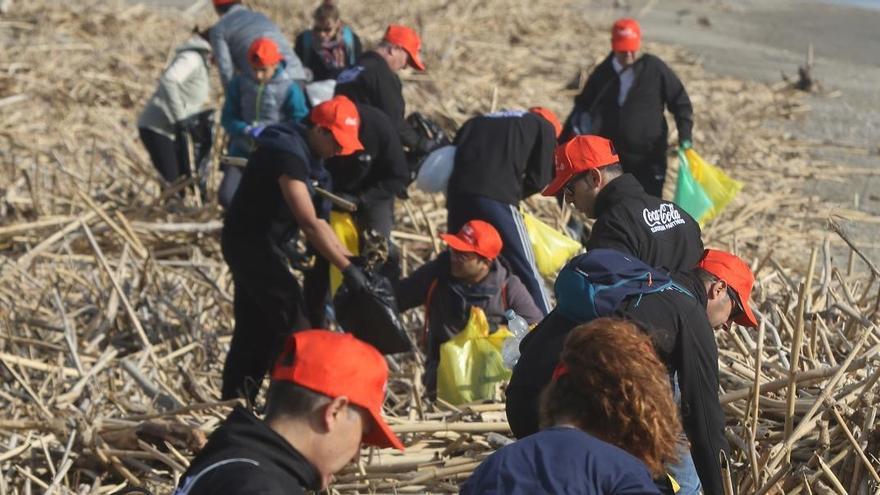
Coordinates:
232 35
562 461
248 103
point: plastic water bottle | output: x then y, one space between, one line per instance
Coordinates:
519 328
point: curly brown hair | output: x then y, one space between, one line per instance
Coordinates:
614 386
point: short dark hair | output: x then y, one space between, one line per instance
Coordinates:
287 399
704 276
613 169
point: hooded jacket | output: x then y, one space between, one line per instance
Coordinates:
657 232
684 341
249 102
449 302
231 38
184 88
244 456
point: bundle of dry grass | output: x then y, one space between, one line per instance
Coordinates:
115 305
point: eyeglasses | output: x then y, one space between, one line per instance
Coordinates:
568 188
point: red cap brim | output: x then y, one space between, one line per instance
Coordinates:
458 244
414 60
747 319
348 142
558 183
381 434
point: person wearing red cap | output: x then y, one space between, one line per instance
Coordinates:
623 100
265 96
235 32
680 321
502 158
660 233
325 400
275 200
374 81
471 273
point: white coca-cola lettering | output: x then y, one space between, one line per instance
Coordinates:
663 218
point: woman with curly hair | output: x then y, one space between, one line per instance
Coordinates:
609 422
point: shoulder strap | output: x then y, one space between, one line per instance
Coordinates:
428 299
348 41
308 43
191 481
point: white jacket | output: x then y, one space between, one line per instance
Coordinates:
184 88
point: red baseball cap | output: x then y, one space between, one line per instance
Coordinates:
737 275
264 52
549 116
218 3
337 364
407 39
478 237
626 35
339 116
579 155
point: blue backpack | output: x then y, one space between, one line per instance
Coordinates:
596 283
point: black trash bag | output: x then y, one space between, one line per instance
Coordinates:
431 137
371 315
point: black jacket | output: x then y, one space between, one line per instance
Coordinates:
380 171
506 156
638 127
657 232
373 82
684 341
257 460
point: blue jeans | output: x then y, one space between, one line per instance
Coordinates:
684 472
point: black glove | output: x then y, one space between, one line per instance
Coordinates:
355 278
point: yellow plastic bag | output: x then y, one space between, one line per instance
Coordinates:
471 363
343 226
552 248
718 186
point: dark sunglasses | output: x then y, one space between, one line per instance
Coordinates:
737 309
568 188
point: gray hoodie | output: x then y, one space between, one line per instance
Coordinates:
184 88
232 36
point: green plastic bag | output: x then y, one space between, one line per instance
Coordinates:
552 248
719 187
688 193
470 363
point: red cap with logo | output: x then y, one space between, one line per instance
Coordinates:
737 275
264 52
337 364
340 117
407 39
579 155
626 35
478 237
549 116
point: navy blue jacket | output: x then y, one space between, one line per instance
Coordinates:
560 460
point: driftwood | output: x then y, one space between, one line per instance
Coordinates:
116 305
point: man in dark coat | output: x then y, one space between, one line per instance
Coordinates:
628 219
470 274
623 101
374 81
324 402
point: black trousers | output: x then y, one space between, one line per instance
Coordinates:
268 306
167 157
